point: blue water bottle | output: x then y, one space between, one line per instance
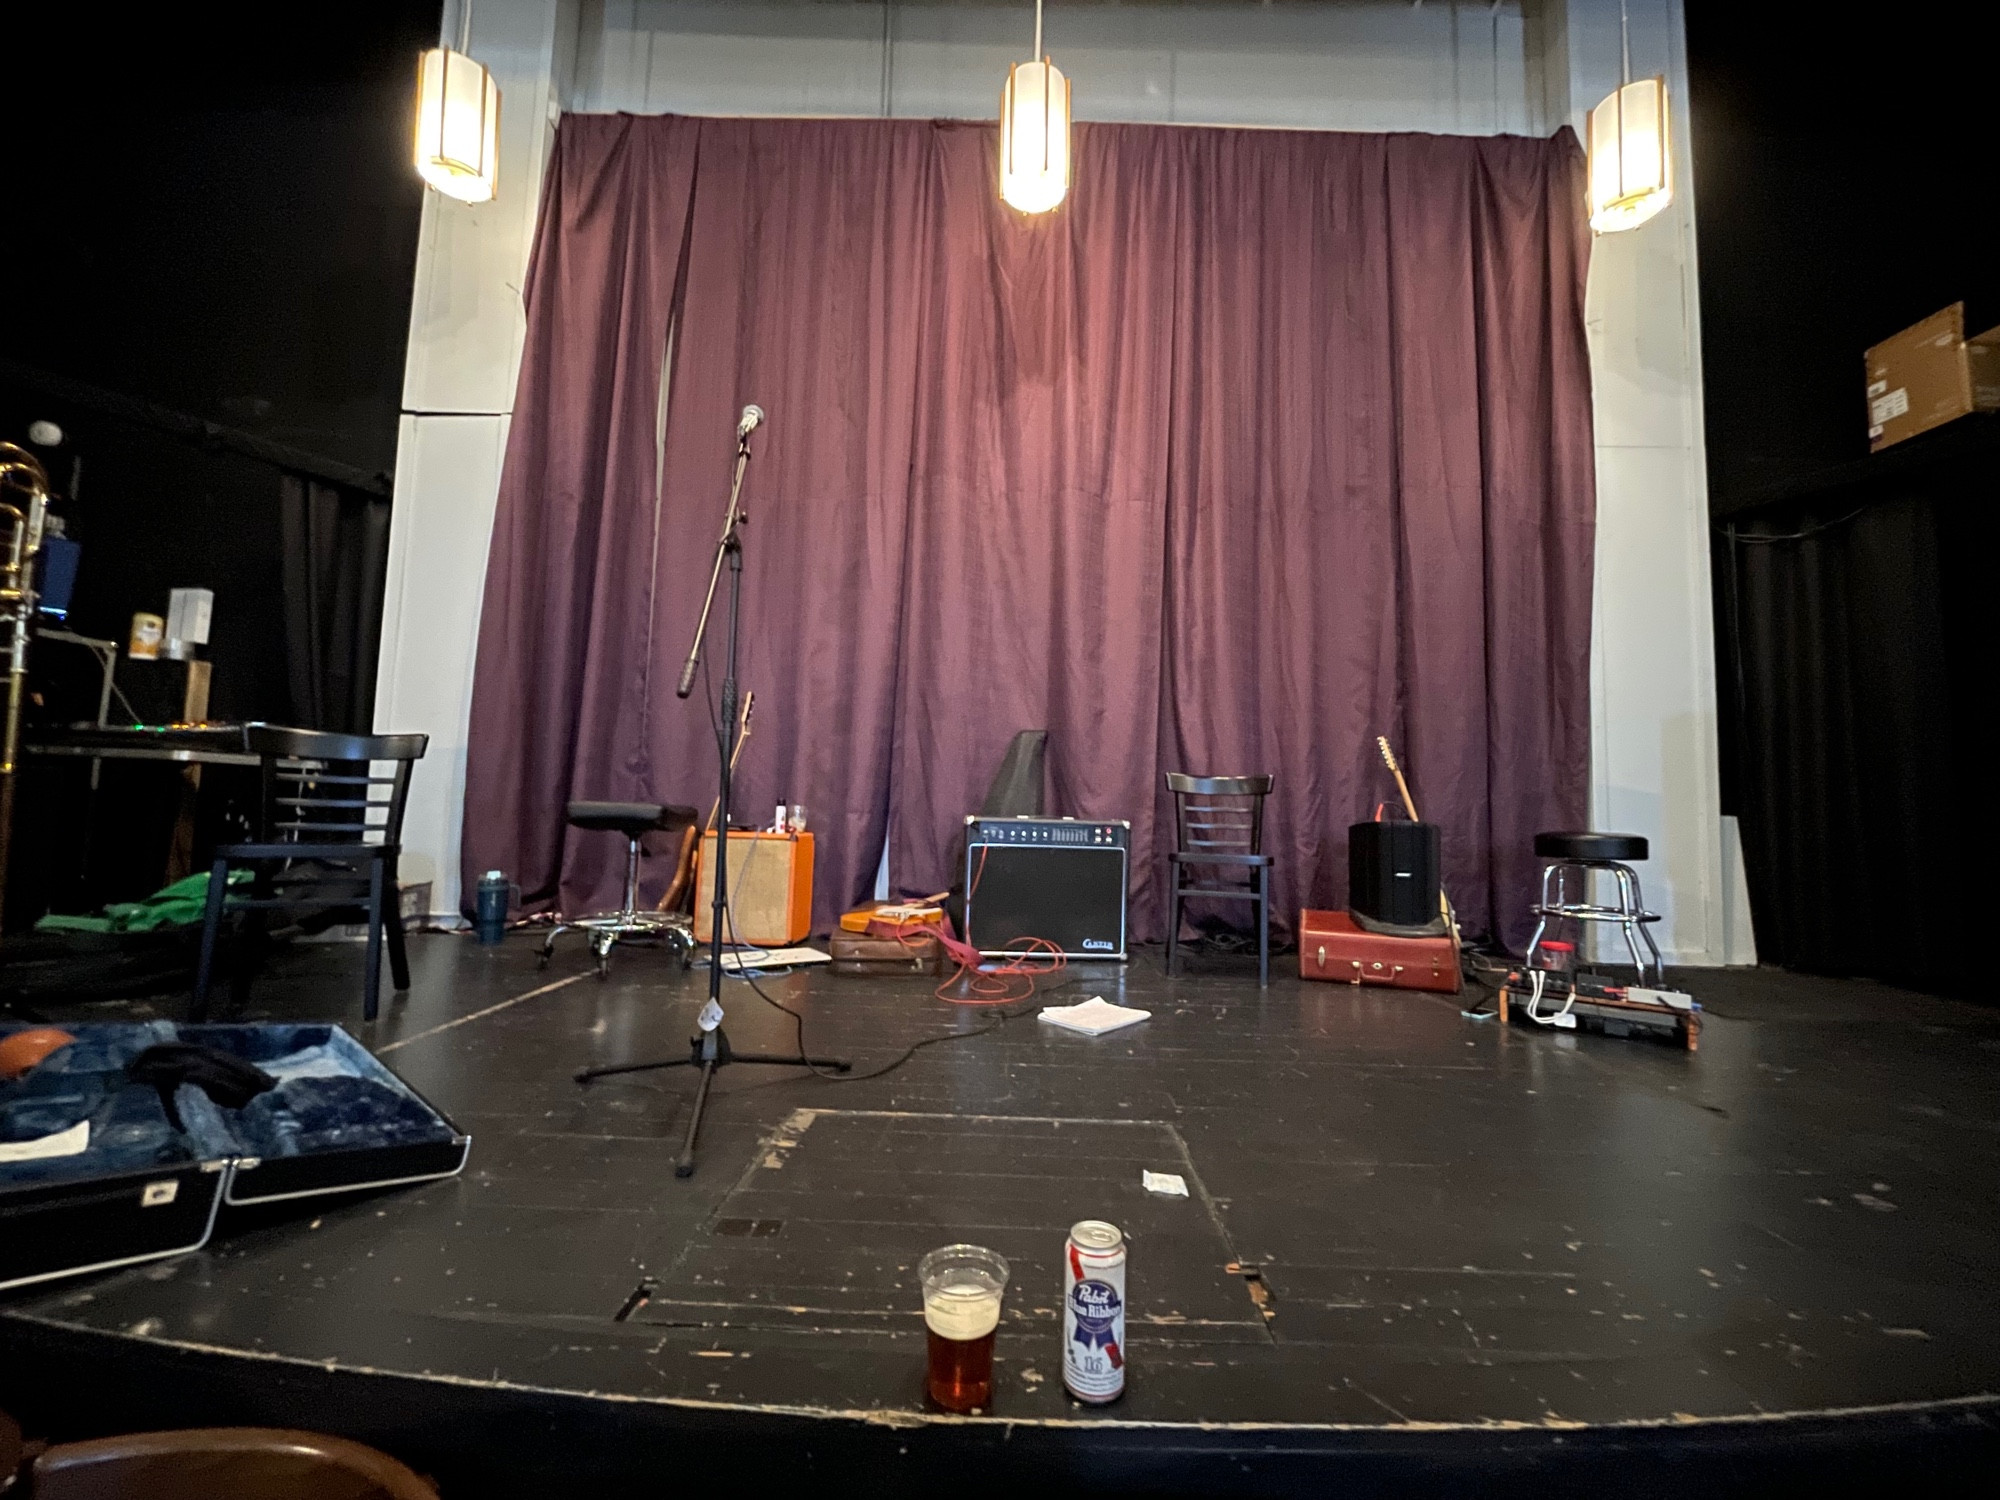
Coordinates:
490 909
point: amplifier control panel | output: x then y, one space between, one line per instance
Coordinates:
1049 833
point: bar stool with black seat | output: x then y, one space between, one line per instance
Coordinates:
631 924
1219 826
1567 896
329 835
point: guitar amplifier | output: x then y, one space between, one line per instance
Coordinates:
770 888
1060 879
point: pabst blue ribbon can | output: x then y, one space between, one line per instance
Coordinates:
1094 1312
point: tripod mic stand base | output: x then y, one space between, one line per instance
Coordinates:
709 1050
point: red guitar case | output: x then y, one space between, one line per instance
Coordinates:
1334 948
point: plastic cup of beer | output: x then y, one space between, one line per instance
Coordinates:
963 1285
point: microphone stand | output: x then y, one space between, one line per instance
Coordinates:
708 1048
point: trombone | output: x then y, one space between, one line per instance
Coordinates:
22 474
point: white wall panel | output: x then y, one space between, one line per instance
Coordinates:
1360 65
1653 745
466 322
466 327
447 478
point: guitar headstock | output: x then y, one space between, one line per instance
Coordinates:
1388 755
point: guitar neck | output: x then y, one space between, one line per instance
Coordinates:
742 737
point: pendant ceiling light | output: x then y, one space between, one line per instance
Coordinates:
1631 170
458 119
1034 132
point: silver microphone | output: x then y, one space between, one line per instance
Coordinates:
752 415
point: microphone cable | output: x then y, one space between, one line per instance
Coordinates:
1038 960
1000 1018
978 982
971 968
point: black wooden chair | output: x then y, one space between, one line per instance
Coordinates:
1219 826
330 832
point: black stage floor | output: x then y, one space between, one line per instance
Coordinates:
1422 1253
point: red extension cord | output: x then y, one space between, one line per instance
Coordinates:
980 981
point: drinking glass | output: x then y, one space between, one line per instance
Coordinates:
962 1285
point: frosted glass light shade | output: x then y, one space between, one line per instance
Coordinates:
1034 137
1631 172
458 125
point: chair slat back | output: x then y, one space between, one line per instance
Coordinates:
327 789
1219 814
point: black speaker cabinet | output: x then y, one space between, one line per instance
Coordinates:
1061 879
1392 872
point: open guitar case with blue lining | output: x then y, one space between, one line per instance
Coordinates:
337 1121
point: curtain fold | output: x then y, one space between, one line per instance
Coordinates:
808 279
1857 641
1265 443
1034 584
334 562
570 574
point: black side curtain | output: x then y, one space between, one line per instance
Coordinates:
1857 628
335 561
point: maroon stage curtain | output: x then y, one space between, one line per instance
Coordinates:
1266 442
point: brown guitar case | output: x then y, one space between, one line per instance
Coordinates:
1333 946
859 954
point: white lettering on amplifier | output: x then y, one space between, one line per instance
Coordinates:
1099 945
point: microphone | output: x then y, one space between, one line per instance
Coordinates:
752 415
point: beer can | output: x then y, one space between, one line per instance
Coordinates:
1094 1312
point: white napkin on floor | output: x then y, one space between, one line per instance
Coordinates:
1094 1017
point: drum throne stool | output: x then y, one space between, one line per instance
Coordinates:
631 924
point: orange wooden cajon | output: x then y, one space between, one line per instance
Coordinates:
770 888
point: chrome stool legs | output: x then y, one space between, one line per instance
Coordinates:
631 925
1560 903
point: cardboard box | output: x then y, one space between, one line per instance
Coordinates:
1930 374
413 900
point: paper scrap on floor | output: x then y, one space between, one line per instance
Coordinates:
736 960
1166 1184
1094 1017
